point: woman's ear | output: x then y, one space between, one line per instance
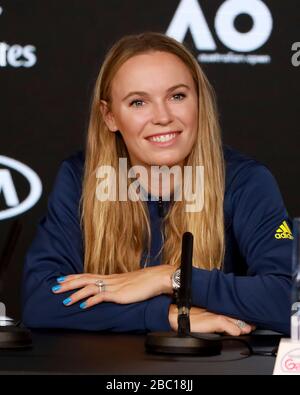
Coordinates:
108 116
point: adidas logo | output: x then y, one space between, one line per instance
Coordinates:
284 232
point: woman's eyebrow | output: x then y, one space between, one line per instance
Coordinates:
141 93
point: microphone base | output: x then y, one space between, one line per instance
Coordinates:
171 343
14 337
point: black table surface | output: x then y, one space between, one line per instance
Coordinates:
74 352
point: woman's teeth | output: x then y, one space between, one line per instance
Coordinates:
164 138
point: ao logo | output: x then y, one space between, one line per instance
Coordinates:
7 187
189 15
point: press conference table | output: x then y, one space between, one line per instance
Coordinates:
74 352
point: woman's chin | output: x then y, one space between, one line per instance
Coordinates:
166 162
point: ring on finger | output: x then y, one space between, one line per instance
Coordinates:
241 324
101 285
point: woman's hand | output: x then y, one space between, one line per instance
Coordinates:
205 322
118 288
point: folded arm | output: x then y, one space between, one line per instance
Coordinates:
262 297
57 251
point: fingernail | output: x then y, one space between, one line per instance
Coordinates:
56 288
61 279
83 305
67 301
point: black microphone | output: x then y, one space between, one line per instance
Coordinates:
12 334
184 294
184 341
8 249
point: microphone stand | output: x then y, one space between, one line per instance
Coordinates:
184 298
183 341
12 334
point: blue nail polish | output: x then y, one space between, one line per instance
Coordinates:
67 301
56 288
83 305
61 279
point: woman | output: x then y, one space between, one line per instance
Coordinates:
109 265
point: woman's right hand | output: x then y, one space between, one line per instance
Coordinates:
203 321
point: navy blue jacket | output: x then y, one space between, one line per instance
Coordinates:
254 284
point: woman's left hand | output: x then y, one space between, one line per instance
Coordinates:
121 288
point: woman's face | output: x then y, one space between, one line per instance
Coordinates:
155 108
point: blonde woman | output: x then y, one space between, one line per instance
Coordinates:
111 264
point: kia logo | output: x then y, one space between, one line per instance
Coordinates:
8 189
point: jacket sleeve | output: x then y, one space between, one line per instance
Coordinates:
57 250
263 296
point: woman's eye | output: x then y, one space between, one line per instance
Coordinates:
179 96
136 103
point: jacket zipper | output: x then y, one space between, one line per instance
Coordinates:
160 207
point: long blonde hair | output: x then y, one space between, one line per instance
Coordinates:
117 233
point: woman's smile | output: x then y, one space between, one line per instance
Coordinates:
164 139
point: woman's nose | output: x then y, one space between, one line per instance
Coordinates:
161 114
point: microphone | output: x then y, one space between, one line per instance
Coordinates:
184 294
183 341
10 242
12 334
